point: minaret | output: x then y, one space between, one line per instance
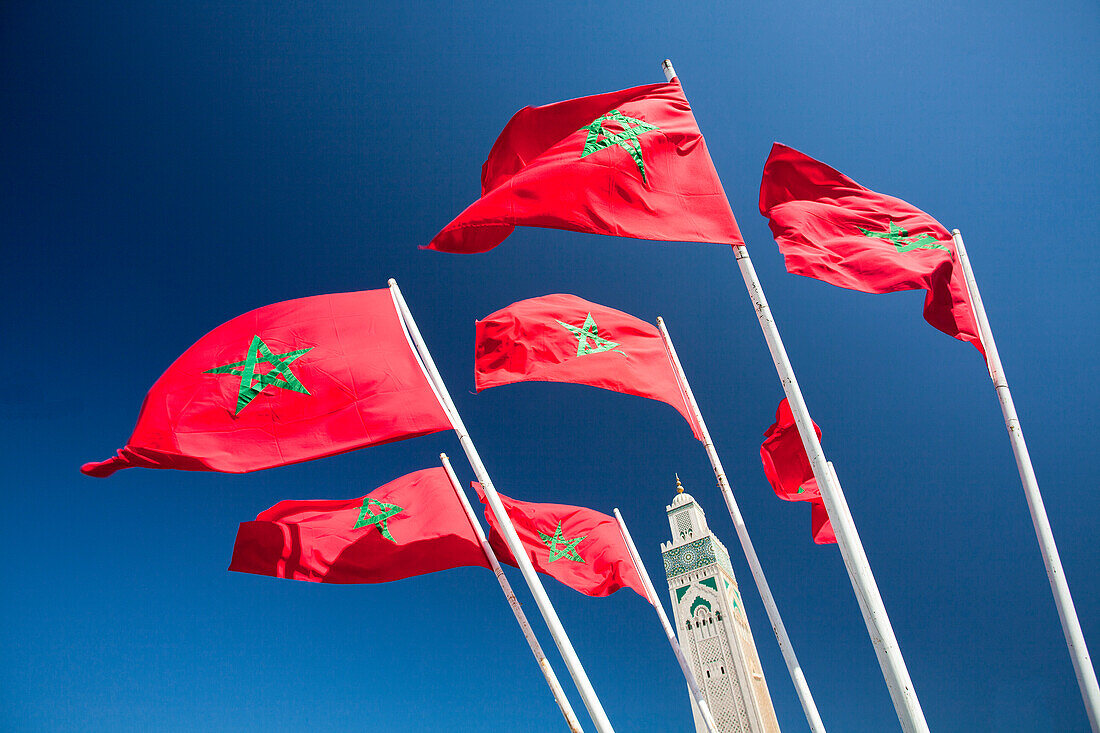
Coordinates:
711 624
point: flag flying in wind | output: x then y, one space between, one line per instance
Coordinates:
788 470
831 228
411 526
562 338
288 382
630 163
579 547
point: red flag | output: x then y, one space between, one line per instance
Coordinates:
784 458
820 524
562 338
630 163
831 228
288 382
579 547
788 470
411 526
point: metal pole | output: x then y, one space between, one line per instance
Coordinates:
886 647
521 618
799 679
693 686
549 615
870 602
1071 626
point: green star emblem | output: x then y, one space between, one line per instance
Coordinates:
252 381
900 239
589 332
385 511
599 138
568 548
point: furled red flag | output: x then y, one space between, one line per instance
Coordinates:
630 164
411 526
820 524
562 338
788 470
831 228
579 547
288 382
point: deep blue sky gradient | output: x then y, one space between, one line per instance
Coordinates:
166 168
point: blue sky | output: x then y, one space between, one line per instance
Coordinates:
167 168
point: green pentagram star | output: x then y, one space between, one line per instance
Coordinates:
587 332
366 516
599 139
568 548
900 239
252 383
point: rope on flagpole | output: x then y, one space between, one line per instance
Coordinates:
651 592
546 608
1071 626
797 677
513 602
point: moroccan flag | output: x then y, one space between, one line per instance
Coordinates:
579 547
630 164
562 338
411 526
788 470
288 382
831 228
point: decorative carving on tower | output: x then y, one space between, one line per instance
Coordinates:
711 624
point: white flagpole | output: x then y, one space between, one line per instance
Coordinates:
870 602
894 671
651 592
521 618
549 615
1071 626
799 679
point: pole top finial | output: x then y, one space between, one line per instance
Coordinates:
679 486
670 73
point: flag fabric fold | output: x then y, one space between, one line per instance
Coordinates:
579 547
831 228
411 526
288 382
630 163
789 472
820 525
563 338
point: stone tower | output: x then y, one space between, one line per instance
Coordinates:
711 624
